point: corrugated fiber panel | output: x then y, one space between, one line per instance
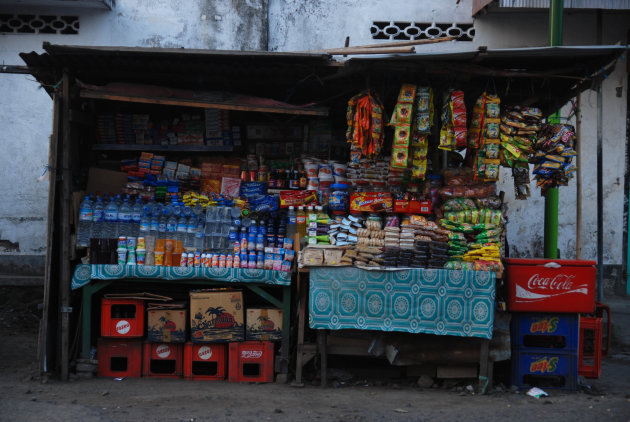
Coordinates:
568 4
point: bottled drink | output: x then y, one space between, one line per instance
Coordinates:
199 235
98 218
191 230
144 227
110 228
163 224
136 217
171 226
182 226
124 219
154 221
300 222
311 215
303 179
84 231
291 222
232 237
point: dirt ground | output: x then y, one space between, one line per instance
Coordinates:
28 397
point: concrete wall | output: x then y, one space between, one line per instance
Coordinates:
26 117
293 25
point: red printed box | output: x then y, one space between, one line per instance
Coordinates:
251 361
205 361
542 285
162 360
119 358
122 318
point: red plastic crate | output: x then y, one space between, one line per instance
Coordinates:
590 351
251 361
542 285
162 360
119 358
122 318
205 361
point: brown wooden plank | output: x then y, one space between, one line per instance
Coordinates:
407 43
375 50
50 221
320 111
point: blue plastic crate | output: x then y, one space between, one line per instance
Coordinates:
543 369
556 332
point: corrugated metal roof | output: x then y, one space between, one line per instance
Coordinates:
568 4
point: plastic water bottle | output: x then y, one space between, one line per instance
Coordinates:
110 229
191 231
171 226
291 222
84 231
163 224
136 217
144 227
118 200
154 221
182 225
98 218
124 219
232 237
199 235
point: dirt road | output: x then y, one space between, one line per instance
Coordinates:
25 397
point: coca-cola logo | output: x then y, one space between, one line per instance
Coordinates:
204 352
557 282
539 288
163 351
251 354
123 327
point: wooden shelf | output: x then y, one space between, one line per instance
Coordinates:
203 103
166 148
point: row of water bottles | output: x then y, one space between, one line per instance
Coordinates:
115 216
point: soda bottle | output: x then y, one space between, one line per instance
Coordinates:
300 222
84 231
291 222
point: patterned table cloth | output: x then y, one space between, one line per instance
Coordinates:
443 302
84 273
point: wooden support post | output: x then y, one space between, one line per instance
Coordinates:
299 361
485 380
64 238
323 354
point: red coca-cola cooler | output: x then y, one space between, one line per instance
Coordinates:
550 285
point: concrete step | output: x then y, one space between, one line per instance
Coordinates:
9 280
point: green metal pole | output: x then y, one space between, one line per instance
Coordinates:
556 9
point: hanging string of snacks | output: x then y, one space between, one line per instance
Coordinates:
555 149
484 137
519 129
453 134
401 121
365 126
421 129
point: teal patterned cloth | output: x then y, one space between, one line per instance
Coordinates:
84 273
443 302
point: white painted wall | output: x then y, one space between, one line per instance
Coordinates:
26 117
295 25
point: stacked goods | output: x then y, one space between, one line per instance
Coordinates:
483 137
554 156
453 134
365 126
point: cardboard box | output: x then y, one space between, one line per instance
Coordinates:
216 316
264 324
105 181
166 325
